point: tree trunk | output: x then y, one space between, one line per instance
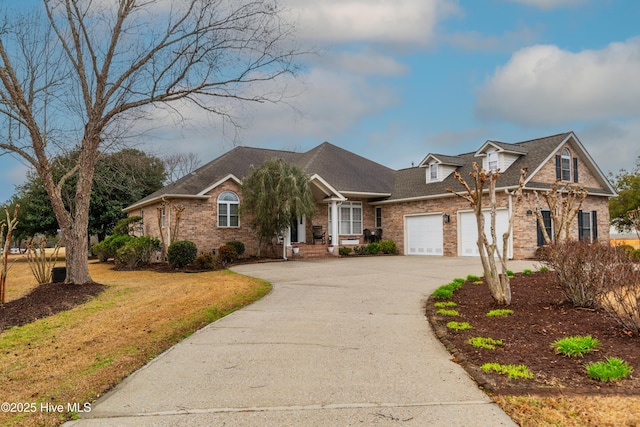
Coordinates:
77 250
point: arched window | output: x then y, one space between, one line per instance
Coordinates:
566 165
228 204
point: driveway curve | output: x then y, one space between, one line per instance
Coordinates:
338 342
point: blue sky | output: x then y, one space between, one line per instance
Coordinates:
396 80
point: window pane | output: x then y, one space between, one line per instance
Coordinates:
222 214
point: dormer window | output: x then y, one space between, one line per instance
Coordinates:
433 171
492 160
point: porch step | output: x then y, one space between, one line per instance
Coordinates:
312 252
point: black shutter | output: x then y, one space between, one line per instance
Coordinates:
558 167
575 169
580 231
594 226
540 235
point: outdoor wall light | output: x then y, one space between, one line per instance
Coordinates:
529 212
446 218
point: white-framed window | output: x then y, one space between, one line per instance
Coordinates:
433 171
587 226
378 217
142 222
349 218
163 216
566 165
492 160
228 209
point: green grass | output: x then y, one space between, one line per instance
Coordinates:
446 291
510 273
512 371
445 312
482 342
543 269
611 369
459 326
473 278
499 312
445 304
576 345
527 271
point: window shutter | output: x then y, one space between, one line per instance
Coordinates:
575 169
558 167
580 231
594 224
540 235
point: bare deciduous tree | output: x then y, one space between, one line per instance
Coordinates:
77 74
497 281
5 242
180 164
563 204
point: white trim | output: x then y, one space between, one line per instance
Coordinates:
218 182
157 199
326 188
364 194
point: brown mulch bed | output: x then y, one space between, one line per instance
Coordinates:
540 318
46 300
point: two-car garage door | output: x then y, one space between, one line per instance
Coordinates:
424 234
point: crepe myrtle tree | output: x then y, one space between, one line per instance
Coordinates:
272 194
77 75
563 203
497 279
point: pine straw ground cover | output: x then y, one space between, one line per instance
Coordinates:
76 355
561 393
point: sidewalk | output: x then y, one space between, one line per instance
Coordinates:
337 343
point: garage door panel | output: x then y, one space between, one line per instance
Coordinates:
469 232
424 235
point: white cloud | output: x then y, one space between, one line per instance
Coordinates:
613 144
378 21
505 42
549 4
365 63
544 85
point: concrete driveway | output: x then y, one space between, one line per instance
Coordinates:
338 342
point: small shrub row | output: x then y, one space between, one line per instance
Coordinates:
137 251
385 246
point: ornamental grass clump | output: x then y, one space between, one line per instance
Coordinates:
512 371
484 342
445 312
445 304
499 312
459 326
612 369
576 346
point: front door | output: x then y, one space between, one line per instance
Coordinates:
298 230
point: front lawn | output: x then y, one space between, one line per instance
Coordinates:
77 355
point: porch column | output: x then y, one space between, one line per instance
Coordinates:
334 222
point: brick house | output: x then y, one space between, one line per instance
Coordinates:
410 206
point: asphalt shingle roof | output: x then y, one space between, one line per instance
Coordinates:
349 172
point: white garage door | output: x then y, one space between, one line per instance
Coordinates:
424 234
468 231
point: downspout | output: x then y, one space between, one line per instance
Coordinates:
510 213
